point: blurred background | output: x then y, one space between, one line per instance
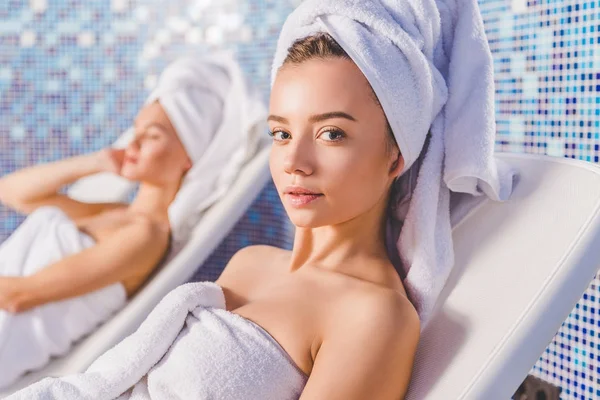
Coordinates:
74 73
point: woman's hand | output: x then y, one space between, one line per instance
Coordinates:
111 159
14 294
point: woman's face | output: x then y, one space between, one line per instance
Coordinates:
329 137
156 155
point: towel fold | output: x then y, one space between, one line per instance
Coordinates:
28 339
189 347
428 59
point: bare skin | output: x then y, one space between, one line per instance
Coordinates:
131 239
334 302
278 301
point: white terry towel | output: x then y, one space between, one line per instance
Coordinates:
189 347
428 59
220 119
28 339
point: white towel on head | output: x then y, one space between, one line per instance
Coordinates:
429 59
220 119
192 91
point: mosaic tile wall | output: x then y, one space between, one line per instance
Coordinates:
73 74
547 66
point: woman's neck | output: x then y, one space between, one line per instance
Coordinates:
336 247
153 200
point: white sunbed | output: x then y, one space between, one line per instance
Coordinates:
521 267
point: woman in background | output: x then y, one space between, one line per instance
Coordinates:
130 239
70 265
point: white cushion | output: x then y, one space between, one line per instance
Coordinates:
520 268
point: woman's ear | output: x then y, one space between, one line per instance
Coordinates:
188 164
397 165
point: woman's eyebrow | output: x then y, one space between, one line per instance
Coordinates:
155 124
316 118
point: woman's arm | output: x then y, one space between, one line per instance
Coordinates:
29 188
133 250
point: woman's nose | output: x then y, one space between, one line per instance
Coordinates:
298 158
134 145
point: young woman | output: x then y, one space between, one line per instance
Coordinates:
70 265
130 239
335 298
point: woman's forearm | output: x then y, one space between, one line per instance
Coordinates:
67 278
45 180
129 252
63 280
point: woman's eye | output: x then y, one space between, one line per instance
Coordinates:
332 135
154 134
280 135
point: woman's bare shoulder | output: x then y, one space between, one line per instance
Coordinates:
249 260
377 334
260 250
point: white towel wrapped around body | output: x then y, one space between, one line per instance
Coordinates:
189 347
28 339
431 68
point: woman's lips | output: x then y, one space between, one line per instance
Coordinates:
299 199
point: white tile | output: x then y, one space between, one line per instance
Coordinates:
194 36
142 14
246 34
75 132
518 6
75 74
516 130
86 39
506 25
518 62
214 35
17 132
108 38
6 74
28 39
38 6
230 21
109 74
178 25
556 147
151 51
196 10
53 86
530 86
118 6
50 39
150 81
163 37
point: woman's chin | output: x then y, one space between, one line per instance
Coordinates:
129 174
305 221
